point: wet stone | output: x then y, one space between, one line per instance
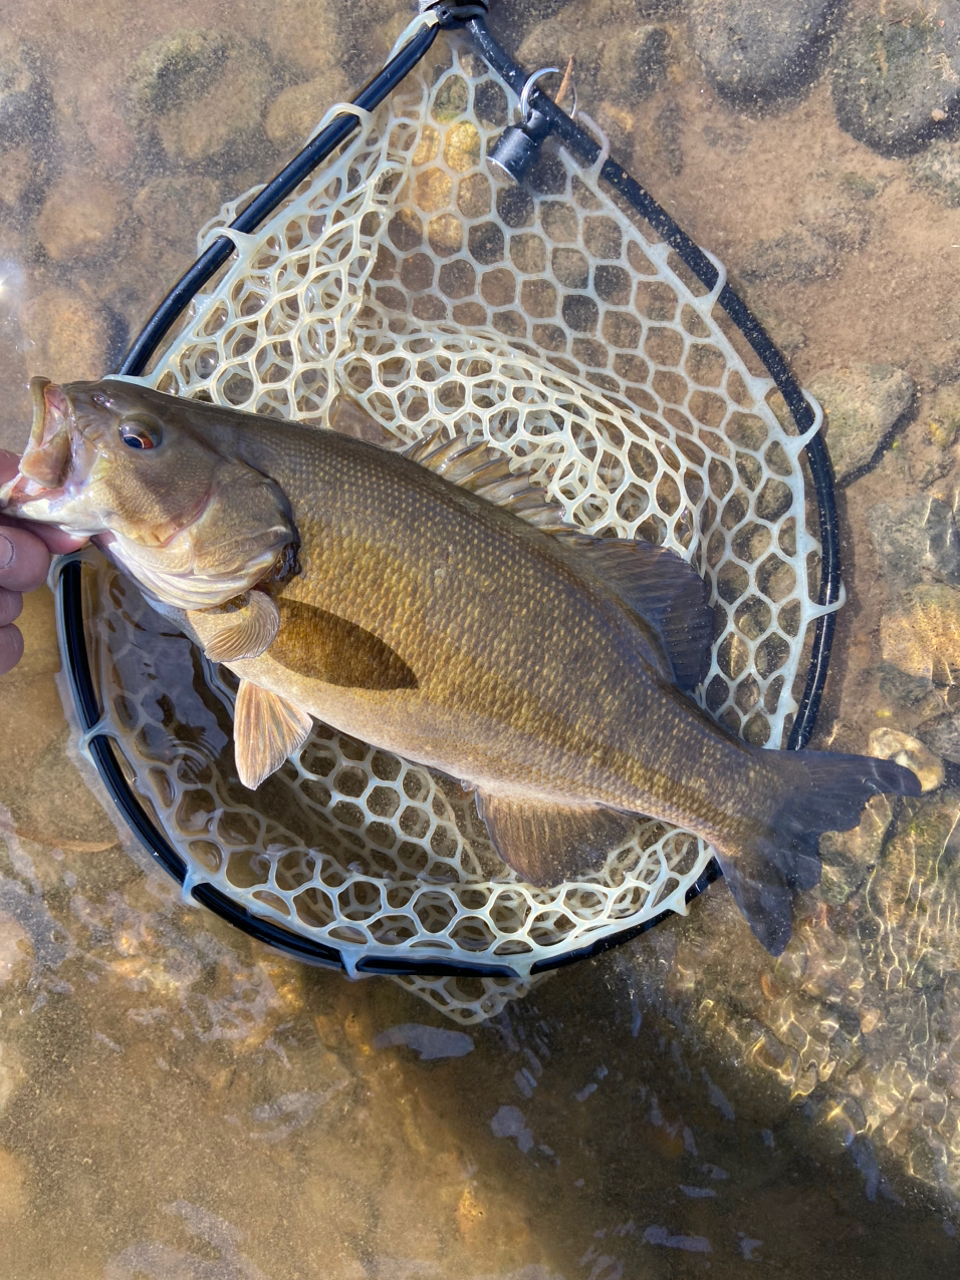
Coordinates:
171 209
930 441
937 171
295 113
916 532
811 248
67 334
921 636
625 63
894 84
81 218
204 94
848 855
25 102
942 735
892 744
757 52
864 405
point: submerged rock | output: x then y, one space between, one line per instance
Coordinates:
942 735
203 93
930 442
26 127
757 52
921 635
937 170
891 744
916 532
864 404
894 85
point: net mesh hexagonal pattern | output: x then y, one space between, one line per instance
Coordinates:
548 321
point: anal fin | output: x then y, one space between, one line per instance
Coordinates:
550 843
266 730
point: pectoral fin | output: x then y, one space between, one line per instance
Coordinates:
548 844
266 730
246 632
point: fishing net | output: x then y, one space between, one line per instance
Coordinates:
549 321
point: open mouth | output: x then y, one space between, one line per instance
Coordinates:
45 464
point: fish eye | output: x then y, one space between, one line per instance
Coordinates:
140 432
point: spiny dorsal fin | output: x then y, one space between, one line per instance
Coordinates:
248 629
478 467
266 730
486 472
550 843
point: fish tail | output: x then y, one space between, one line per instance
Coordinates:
811 792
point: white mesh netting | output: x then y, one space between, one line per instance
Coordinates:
546 321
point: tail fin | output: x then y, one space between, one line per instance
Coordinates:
815 791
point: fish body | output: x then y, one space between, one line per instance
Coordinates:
433 606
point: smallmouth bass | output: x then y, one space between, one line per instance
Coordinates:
431 603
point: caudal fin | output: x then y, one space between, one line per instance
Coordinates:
814 791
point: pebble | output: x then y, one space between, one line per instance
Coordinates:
848 855
757 52
26 128
26 105
81 219
922 635
295 113
172 209
942 735
864 404
811 248
930 441
894 86
204 94
937 171
892 744
627 62
66 334
916 532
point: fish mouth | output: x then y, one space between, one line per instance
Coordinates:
46 463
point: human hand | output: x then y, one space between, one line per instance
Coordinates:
25 551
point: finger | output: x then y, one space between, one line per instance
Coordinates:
24 559
11 606
55 540
11 648
9 465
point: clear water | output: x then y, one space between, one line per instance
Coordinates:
178 1102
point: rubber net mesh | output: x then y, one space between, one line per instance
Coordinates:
543 319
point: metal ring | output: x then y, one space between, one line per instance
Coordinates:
530 81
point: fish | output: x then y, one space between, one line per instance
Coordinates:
432 602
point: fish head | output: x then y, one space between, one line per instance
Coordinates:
134 470
98 460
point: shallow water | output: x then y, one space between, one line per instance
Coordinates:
177 1101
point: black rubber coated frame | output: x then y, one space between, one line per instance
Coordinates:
69 587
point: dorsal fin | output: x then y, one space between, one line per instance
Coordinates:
478 467
661 588
486 472
654 582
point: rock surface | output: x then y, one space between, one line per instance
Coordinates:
204 94
757 52
894 84
864 405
